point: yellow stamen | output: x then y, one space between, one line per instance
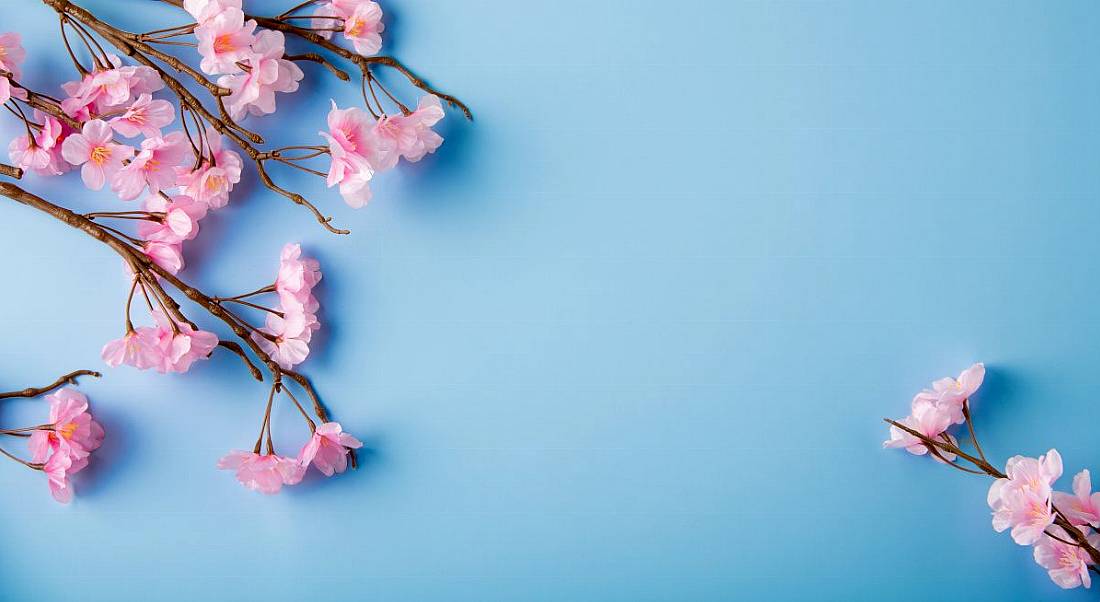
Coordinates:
100 154
68 430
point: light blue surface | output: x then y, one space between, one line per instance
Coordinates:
627 337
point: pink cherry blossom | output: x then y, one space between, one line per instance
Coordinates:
926 419
9 91
291 335
951 393
154 166
211 183
180 221
57 474
1022 500
356 150
224 39
1067 565
139 348
264 473
12 53
181 345
73 430
328 449
363 28
42 153
166 255
1083 507
145 117
254 90
296 279
25 153
412 135
94 149
204 10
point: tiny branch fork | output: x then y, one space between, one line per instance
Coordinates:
68 379
1060 519
135 46
152 275
364 63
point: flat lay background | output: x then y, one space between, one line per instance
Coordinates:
630 335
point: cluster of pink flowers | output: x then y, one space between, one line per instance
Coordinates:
170 346
327 450
287 333
936 409
250 63
62 447
1024 501
361 19
361 145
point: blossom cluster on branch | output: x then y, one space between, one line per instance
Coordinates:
1062 528
129 121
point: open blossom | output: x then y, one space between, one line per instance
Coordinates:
1083 507
211 183
95 151
139 348
264 473
107 89
411 135
288 344
224 40
181 345
951 393
154 166
1067 565
180 221
297 277
1022 501
73 430
167 255
357 152
328 449
253 91
363 28
145 117
204 10
12 53
928 420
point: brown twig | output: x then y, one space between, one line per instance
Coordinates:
11 171
68 379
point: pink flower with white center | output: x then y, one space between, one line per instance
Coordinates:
926 419
356 151
291 334
211 183
412 135
139 348
1022 500
264 473
328 449
167 255
951 393
364 28
73 429
204 10
180 221
12 53
224 40
181 345
1067 565
95 151
145 117
1083 507
254 90
154 166
57 474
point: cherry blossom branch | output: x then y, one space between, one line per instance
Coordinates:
10 171
150 275
68 379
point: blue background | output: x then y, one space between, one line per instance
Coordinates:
631 334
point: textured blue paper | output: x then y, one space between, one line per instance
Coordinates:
627 337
